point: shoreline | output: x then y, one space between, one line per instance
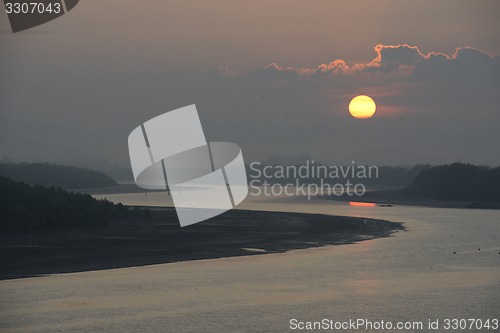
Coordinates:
400 198
160 240
383 196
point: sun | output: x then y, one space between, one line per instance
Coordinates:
362 107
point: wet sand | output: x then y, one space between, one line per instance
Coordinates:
160 239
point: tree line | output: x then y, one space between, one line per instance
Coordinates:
458 181
25 207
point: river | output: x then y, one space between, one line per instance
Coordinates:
446 265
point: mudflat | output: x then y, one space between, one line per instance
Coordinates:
160 239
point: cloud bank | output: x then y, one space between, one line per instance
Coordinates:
466 62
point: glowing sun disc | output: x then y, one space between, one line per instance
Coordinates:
362 107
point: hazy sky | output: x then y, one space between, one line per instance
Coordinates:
276 77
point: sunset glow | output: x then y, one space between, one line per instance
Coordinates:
362 204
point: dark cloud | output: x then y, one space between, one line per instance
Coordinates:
466 63
408 61
394 57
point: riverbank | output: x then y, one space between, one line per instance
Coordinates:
401 197
159 239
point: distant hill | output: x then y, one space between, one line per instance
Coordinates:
66 177
459 182
392 176
24 207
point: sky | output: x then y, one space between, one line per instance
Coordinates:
275 77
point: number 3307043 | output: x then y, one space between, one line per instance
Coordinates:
32 8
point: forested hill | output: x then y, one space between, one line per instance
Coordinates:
66 177
25 207
458 181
